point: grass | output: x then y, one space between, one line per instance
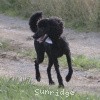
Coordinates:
84 62
79 61
27 53
13 89
77 14
4 45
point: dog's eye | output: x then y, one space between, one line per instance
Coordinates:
42 30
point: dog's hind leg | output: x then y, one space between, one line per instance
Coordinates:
56 65
68 56
68 77
51 82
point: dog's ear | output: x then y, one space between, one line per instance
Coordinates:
34 19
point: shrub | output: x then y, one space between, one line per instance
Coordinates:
77 14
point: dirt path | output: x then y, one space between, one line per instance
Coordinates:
18 32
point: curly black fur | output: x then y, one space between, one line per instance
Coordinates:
53 27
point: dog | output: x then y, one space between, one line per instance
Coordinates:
47 38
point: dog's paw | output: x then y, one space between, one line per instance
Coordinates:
68 77
38 78
61 86
51 83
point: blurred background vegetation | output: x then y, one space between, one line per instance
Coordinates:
77 14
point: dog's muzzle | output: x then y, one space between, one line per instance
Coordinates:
42 38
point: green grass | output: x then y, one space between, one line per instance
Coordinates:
84 62
13 89
30 54
5 45
79 61
77 14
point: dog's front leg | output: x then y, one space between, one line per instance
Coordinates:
38 77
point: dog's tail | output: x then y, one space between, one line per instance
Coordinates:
33 21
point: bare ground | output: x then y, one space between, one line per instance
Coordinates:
18 33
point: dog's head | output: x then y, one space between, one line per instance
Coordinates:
51 27
42 28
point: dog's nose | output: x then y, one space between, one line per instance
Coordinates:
35 36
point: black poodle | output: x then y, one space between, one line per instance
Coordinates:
47 38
